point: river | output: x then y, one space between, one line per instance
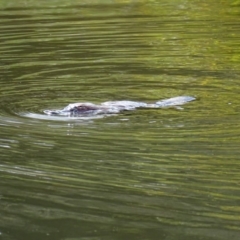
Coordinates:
148 174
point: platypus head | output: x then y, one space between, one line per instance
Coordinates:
75 109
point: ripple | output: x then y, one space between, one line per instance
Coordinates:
58 118
152 173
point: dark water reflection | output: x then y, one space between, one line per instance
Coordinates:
148 174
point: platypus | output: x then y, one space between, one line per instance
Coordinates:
111 107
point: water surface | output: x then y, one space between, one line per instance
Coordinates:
146 174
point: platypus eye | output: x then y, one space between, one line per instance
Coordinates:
74 109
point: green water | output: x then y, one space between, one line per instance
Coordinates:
146 174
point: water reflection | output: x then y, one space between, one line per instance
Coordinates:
149 174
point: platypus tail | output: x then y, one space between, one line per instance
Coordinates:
176 101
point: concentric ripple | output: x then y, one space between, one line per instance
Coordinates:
146 174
